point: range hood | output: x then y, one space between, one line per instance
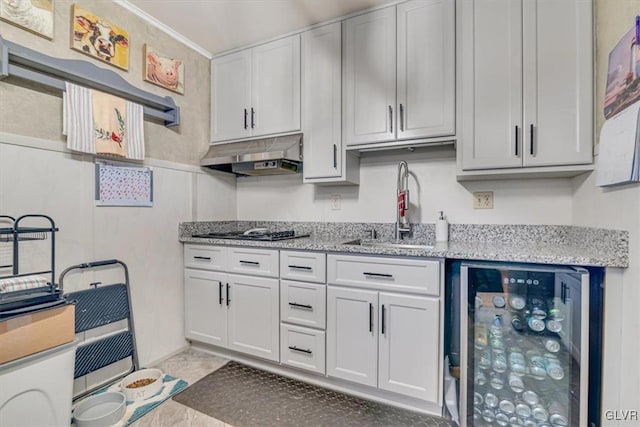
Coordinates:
267 156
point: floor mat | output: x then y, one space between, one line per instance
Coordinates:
243 396
135 410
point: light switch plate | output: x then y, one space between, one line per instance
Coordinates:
483 200
335 202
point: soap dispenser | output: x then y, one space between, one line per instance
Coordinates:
442 228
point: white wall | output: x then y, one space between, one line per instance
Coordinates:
432 185
56 183
617 208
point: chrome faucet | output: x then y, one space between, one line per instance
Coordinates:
402 201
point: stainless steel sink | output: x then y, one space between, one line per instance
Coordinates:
395 244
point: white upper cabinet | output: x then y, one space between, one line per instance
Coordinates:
256 91
426 69
322 82
526 83
231 96
399 73
370 77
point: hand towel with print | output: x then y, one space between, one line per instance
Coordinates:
109 122
135 131
77 118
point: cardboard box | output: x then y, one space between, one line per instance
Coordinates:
30 333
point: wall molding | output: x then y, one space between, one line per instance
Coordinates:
163 27
60 147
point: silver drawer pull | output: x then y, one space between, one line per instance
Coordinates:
300 267
305 306
205 258
301 350
256 263
383 275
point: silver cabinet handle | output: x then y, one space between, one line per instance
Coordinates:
390 119
401 118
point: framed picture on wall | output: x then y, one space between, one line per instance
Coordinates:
32 15
99 38
163 71
123 184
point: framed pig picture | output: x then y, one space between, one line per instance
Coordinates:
32 15
163 71
99 38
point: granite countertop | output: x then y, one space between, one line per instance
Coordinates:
566 245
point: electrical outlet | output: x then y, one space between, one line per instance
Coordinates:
335 202
483 200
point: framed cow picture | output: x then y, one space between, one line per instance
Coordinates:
163 71
32 15
99 38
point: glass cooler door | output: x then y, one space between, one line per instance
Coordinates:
524 342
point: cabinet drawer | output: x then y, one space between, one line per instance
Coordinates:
394 274
305 266
302 348
303 303
205 257
257 262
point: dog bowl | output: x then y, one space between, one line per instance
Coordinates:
145 391
100 410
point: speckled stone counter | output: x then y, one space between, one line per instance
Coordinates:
552 244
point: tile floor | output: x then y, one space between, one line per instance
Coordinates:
190 365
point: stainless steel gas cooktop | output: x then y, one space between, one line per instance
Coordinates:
254 234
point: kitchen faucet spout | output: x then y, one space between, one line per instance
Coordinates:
402 224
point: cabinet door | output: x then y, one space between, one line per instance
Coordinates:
253 316
352 341
558 82
205 306
322 80
370 77
275 96
410 346
426 69
491 59
230 96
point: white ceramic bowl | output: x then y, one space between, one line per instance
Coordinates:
100 410
144 392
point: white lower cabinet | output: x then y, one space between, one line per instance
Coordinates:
234 311
254 316
408 345
302 348
385 340
205 306
352 335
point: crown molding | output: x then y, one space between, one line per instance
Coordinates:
163 27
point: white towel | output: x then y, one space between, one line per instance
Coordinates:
77 119
82 130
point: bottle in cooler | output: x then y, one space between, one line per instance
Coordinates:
536 365
553 367
530 397
506 404
553 325
517 302
539 413
535 324
516 361
477 399
552 345
496 381
517 323
480 378
484 361
499 360
523 410
516 384
502 419
491 400
558 414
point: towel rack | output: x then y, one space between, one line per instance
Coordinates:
27 64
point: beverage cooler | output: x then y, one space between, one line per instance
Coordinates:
524 345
